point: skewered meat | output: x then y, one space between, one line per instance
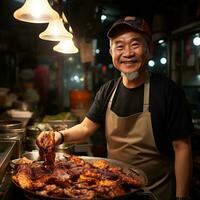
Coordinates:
47 149
75 178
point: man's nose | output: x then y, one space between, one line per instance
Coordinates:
128 51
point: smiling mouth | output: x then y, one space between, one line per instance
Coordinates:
129 62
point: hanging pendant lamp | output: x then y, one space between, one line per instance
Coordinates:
55 31
36 11
66 46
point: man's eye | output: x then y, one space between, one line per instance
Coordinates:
136 44
119 46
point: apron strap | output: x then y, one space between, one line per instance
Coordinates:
112 96
146 92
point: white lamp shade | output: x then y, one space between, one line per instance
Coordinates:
66 46
36 11
55 31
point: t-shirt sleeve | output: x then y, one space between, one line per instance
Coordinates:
95 112
98 108
179 120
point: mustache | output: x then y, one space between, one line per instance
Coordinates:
132 59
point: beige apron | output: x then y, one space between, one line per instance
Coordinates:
131 140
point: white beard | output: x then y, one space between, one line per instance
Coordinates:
131 76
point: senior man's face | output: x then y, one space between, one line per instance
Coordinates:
128 51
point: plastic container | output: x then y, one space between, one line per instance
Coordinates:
79 99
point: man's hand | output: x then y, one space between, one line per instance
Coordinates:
43 134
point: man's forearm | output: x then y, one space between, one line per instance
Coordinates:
74 134
183 170
80 132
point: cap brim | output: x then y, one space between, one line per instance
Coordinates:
118 27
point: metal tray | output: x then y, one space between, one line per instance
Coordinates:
6 151
129 169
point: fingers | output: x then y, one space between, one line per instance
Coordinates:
39 139
43 139
44 134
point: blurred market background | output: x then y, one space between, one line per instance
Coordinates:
45 88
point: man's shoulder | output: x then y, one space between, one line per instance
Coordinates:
108 86
159 76
162 80
164 84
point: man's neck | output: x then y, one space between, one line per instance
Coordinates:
136 82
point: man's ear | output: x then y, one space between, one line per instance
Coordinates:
110 51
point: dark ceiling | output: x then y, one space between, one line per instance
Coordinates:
84 16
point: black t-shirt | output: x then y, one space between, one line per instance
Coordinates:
170 114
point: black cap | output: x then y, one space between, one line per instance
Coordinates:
136 23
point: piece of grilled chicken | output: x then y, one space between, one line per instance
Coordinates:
47 149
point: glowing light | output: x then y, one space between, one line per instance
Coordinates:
55 31
198 76
163 61
161 41
103 18
35 11
97 51
76 78
196 41
66 46
151 63
70 59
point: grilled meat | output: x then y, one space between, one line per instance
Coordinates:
47 149
75 178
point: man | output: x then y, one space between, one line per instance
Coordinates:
146 116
